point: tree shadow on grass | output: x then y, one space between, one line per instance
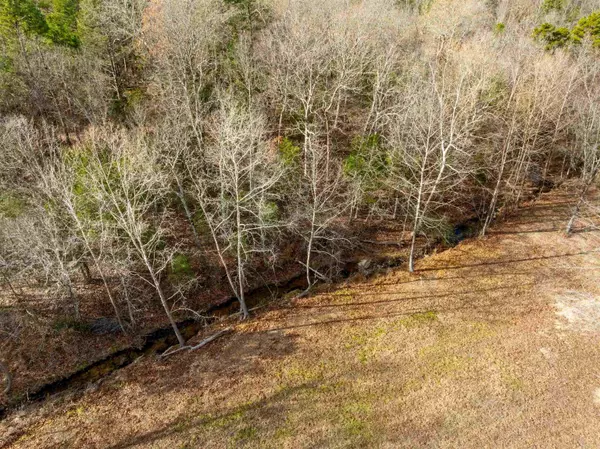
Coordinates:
509 261
402 299
270 407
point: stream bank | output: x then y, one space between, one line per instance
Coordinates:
161 339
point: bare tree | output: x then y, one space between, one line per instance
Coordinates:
587 132
40 234
319 203
430 139
65 179
233 186
126 181
182 39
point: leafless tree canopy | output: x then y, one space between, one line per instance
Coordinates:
157 149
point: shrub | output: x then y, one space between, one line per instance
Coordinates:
366 160
553 37
181 267
589 26
290 153
553 5
269 211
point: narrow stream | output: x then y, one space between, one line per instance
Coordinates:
161 339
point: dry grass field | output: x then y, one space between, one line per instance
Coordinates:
494 343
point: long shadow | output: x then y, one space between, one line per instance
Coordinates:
406 313
367 303
181 424
505 262
585 230
422 280
534 231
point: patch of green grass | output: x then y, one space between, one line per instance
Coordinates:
78 411
284 432
11 206
417 319
367 342
442 359
510 379
228 419
478 330
297 373
514 383
356 421
444 366
245 434
356 340
183 424
344 295
332 387
412 385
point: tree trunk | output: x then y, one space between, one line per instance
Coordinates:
12 289
188 214
221 257
308 256
7 377
240 268
74 300
85 271
411 257
494 201
577 208
165 305
98 267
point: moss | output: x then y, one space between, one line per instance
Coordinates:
291 295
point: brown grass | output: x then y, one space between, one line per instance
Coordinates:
469 352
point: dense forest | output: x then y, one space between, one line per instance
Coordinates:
156 148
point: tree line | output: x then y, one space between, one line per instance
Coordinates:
155 144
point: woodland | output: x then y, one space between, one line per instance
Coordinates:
152 150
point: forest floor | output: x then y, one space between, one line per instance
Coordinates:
494 343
